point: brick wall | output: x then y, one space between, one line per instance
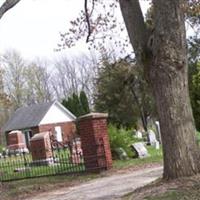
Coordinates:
95 142
68 129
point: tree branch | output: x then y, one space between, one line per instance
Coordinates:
7 5
137 30
87 16
92 8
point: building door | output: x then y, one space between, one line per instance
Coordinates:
58 134
28 135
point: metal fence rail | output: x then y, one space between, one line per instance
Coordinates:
21 166
65 160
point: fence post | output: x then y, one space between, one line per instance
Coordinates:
94 136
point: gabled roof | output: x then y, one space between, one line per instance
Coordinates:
30 116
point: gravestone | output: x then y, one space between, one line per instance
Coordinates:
121 153
157 124
138 134
152 137
157 145
16 142
41 150
140 149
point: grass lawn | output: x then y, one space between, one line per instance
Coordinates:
155 157
22 188
9 165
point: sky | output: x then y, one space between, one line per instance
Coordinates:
32 27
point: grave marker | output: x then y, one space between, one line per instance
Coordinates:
152 137
16 141
140 149
158 131
138 134
41 150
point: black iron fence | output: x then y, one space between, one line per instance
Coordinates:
66 159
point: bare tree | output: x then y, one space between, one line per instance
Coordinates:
5 102
73 75
38 83
14 77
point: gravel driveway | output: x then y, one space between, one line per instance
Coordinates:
106 188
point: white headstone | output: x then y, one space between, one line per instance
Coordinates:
138 134
158 130
157 145
140 149
152 137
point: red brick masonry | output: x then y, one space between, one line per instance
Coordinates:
41 146
93 131
68 129
16 140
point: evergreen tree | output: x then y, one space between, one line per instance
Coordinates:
84 102
77 104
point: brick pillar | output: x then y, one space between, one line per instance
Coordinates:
95 142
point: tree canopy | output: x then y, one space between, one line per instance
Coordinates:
122 91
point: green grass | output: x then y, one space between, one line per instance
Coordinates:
155 157
170 195
17 189
8 165
64 166
191 192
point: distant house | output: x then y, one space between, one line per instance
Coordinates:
37 118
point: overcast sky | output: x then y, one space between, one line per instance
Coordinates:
32 27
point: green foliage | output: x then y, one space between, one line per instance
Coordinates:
194 77
122 92
1 148
78 105
198 136
156 156
121 138
84 102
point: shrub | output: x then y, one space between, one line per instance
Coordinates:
121 138
198 136
1 148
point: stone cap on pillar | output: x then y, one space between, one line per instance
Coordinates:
93 116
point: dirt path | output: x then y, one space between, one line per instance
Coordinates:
106 188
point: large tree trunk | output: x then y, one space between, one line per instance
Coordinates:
169 77
166 66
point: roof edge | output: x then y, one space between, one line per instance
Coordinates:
65 110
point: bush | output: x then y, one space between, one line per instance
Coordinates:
1 148
121 138
198 136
